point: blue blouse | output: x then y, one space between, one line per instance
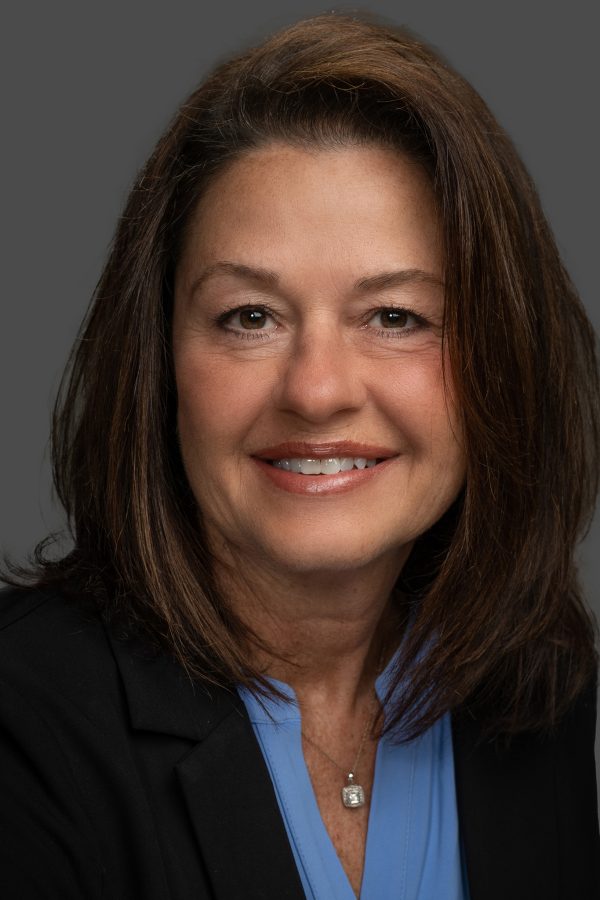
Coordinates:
413 847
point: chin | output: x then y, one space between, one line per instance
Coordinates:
330 553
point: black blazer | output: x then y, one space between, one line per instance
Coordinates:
120 780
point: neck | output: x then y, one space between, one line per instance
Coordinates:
328 634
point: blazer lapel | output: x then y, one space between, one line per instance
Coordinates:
507 815
234 811
225 781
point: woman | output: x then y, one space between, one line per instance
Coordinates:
328 441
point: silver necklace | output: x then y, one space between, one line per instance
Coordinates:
353 794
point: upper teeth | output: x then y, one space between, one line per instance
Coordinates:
324 466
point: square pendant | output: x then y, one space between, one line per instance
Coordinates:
353 795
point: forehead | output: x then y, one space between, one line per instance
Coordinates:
353 208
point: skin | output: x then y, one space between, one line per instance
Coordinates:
312 574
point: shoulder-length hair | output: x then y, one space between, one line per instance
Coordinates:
499 625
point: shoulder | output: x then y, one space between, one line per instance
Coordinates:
61 696
49 644
26 610
536 799
78 779
58 695
87 682
91 732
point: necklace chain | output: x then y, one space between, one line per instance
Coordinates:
353 794
358 755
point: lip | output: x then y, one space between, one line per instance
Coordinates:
321 485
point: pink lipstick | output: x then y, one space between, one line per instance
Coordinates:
311 468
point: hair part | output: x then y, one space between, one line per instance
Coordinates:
500 627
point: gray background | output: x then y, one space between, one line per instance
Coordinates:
88 88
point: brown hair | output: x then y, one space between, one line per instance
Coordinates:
500 626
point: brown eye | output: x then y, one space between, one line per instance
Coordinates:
393 318
252 318
394 321
246 319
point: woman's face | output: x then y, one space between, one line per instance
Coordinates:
296 348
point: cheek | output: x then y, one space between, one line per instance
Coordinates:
215 400
424 409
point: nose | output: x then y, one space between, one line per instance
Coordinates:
320 378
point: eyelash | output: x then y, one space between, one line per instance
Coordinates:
224 318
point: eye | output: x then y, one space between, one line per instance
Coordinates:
395 318
247 318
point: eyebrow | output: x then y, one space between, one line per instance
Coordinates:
269 278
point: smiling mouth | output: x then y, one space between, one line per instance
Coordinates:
323 466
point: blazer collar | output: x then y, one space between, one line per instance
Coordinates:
161 698
224 778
